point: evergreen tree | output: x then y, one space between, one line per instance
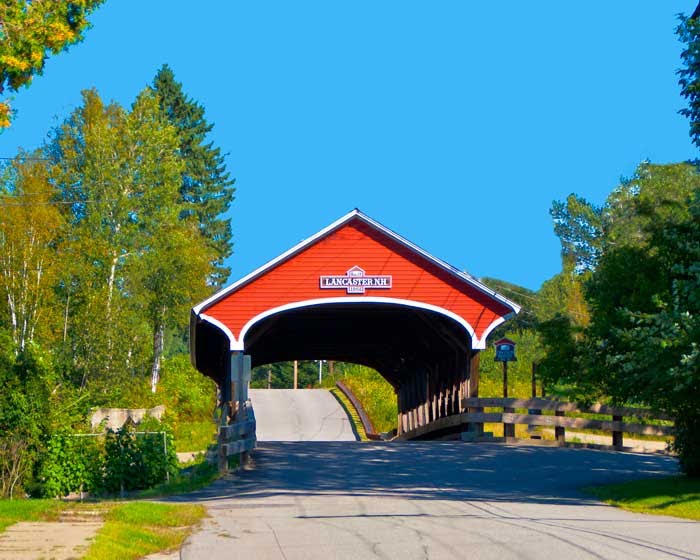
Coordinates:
206 189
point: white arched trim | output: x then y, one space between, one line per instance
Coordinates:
496 322
239 345
231 339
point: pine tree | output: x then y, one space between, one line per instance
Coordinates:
207 189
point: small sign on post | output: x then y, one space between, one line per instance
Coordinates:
505 352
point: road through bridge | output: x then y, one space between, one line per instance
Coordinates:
436 500
302 415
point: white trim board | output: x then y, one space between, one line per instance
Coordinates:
238 344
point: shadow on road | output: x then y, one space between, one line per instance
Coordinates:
431 470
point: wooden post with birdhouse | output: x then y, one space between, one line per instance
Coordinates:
505 352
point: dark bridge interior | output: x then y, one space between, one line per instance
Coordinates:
426 356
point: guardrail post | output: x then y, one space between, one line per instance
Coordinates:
508 429
617 435
560 431
534 411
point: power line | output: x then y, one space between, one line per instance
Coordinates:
50 202
25 158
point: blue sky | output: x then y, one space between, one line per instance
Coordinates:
454 123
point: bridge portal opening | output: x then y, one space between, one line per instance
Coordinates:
358 292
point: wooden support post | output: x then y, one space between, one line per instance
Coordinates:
534 395
508 429
617 435
399 415
427 399
296 374
222 459
560 431
473 389
242 383
269 378
226 412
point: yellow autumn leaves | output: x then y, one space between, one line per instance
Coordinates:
31 30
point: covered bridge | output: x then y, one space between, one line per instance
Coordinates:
358 292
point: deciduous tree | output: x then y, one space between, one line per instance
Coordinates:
30 230
29 31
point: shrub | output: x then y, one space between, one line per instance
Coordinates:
135 461
687 442
71 463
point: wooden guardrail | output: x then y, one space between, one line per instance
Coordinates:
361 412
237 436
476 417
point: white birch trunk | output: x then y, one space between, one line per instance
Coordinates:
158 336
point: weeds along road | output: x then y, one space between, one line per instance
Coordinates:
352 500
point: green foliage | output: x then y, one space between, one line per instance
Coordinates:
206 189
71 463
194 436
528 351
34 404
526 319
578 225
31 30
640 344
281 375
688 32
189 478
185 390
373 391
687 441
136 461
114 231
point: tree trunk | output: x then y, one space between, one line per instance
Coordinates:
158 336
65 318
108 325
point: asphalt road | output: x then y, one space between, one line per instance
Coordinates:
301 415
347 500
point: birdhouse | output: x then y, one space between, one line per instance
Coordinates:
505 350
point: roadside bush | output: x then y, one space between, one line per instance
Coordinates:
16 460
136 461
687 442
71 463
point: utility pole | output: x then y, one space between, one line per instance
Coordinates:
296 374
320 372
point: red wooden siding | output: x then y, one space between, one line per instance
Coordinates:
356 244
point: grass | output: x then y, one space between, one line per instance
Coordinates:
678 496
12 511
191 477
135 529
374 392
354 417
195 435
131 529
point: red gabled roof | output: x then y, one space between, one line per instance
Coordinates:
355 240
